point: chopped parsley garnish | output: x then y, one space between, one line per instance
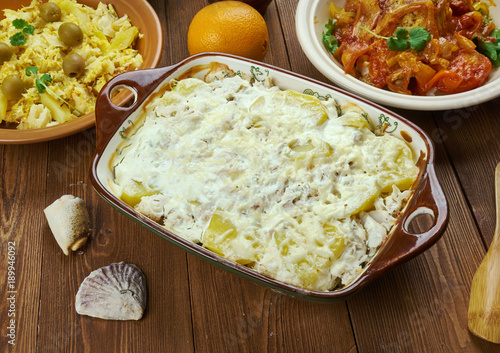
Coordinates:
40 82
17 39
490 47
329 39
41 85
415 38
25 29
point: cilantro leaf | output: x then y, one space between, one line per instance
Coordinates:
41 85
19 23
330 26
418 38
330 42
40 82
31 70
46 78
24 29
29 29
401 33
491 48
495 34
399 42
329 39
17 39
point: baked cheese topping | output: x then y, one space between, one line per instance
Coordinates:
274 180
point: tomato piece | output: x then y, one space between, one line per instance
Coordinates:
423 76
444 80
469 24
466 71
448 81
472 67
459 7
378 68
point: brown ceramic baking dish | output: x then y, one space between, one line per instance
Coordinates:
401 244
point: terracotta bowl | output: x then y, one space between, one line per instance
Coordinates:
144 17
401 244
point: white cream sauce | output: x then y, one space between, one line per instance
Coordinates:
231 147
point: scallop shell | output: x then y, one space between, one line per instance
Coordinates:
113 292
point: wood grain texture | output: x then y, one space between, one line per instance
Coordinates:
298 60
194 306
236 315
23 172
469 135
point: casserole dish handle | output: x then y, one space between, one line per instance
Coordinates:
429 199
109 117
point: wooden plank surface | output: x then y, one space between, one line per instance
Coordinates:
469 135
22 185
196 307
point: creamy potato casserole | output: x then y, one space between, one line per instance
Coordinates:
302 190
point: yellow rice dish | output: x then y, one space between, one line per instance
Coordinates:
106 48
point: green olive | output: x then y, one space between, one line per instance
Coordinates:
13 87
70 34
50 12
5 53
73 65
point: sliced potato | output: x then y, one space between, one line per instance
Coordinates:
134 192
60 113
122 40
3 106
312 264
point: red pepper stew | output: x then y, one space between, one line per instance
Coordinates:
449 62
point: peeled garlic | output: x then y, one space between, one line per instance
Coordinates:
69 222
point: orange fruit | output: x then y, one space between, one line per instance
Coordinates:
231 27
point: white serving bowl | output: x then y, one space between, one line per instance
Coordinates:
310 19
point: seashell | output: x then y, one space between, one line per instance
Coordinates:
113 292
69 222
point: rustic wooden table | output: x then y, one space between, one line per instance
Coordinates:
196 307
